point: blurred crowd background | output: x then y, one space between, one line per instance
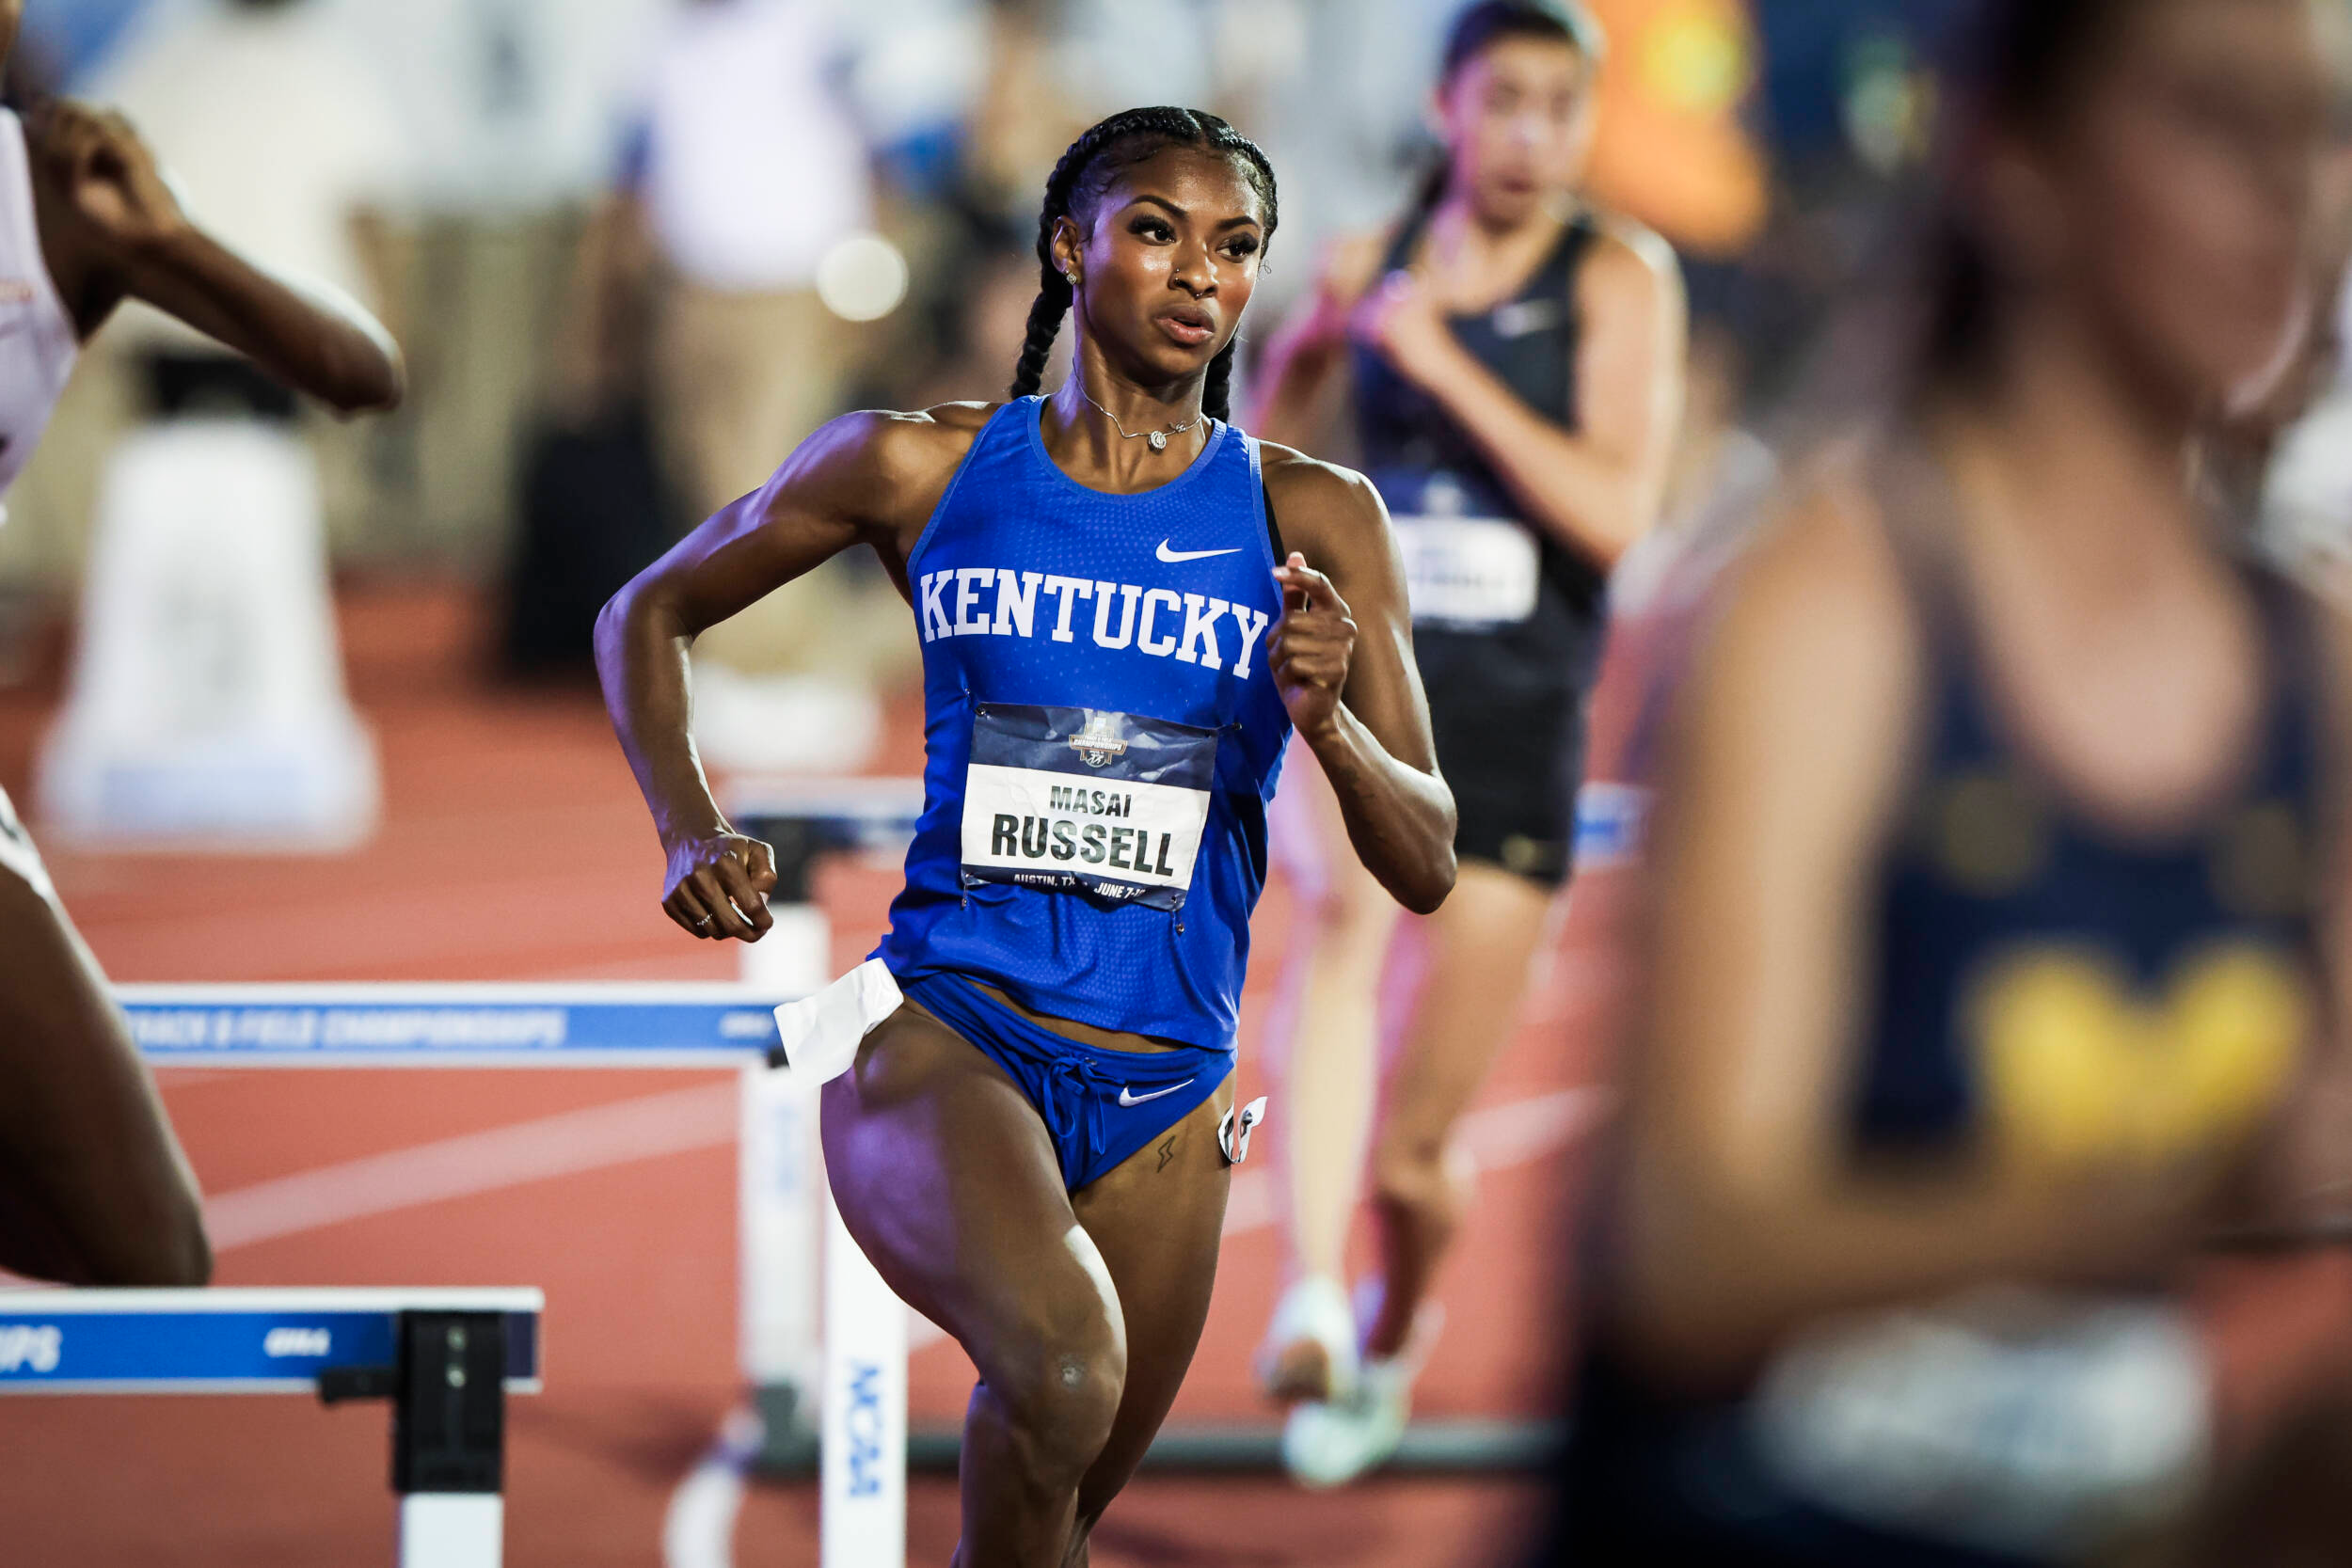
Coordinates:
635 249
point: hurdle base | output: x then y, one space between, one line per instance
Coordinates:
452 1529
789 1442
1429 1447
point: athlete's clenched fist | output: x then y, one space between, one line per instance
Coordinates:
1311 645
718 886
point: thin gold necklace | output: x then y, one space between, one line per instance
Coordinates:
1157 437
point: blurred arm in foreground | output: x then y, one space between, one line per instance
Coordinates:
112 229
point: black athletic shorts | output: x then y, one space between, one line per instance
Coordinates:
1510 736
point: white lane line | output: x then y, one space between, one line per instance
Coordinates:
618 1133
698 1531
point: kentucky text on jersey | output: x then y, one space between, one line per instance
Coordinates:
997 601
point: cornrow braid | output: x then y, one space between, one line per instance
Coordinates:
1087 167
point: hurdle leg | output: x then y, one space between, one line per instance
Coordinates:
449 1439
863 1516
781 1213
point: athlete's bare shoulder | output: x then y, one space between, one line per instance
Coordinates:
909 444
1325 513
1631 257
889 467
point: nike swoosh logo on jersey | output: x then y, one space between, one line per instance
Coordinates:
1129 1097
1176 557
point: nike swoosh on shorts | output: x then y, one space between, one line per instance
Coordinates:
1129 1097
1175 557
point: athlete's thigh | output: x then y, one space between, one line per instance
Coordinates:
944 1175
1158 1219
87 1157
1481 944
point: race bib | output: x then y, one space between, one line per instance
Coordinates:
1469 571
2007 1421
1083 799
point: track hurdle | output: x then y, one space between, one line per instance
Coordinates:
862 1363
783 1201
445 1359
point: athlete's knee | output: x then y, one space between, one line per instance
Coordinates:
1415 1169
1060 1393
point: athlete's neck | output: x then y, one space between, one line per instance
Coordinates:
1478 263
1098 427
2097 456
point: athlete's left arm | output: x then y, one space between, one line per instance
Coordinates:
1343 659
1599 487
113 229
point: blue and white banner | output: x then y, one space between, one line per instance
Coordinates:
451 1026
257 1341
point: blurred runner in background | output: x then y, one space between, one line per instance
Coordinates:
1515 359
1996 926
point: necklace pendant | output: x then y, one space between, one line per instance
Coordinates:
1159 440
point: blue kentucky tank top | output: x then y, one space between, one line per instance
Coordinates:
1100 737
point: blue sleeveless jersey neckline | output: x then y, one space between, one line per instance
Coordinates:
1100 737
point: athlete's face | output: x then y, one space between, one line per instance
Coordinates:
2170 205
1517 123
1166 262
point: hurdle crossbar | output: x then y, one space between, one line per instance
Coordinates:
445 1359
677 1025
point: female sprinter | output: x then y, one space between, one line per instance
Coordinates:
93 1187
1117 643
1516 367
1994 902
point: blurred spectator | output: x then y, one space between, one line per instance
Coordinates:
282 134
511 106
748 169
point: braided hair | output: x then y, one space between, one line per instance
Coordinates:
1086 169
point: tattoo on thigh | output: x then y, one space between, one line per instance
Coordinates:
1167 1153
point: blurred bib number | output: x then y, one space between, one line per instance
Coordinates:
1083 799
2009 1420
1469 571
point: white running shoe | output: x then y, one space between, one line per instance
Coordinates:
1330 1445
1309 1350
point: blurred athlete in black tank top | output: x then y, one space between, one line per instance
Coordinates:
1998 936
1515 363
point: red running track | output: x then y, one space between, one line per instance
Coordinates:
514 847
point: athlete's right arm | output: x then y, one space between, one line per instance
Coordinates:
1308 351
867 478
112 229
